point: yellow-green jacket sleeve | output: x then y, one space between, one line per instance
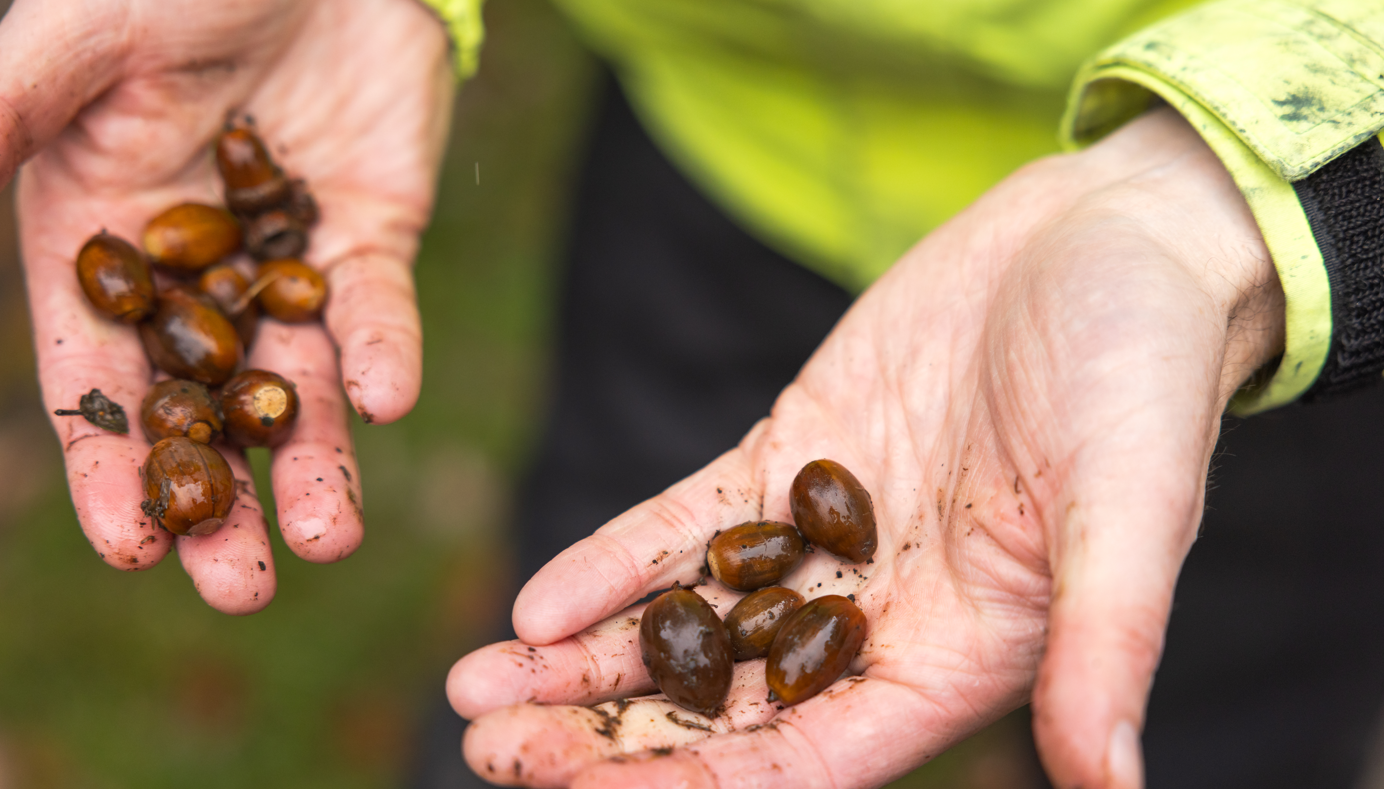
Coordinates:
1278 89
463 21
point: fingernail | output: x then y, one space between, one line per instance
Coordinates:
1124 760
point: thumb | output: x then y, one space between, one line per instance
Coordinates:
55 58
1126 523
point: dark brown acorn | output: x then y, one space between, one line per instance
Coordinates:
260 408
189 237
813 648
755 555
115 278
833 510
275 234
686 650
188 337
188 486
291 291
180 408
253 182
757 618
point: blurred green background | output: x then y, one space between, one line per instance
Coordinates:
110 679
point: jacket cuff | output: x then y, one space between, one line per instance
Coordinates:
1278 90
462 19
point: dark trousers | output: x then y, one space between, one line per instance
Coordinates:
679 329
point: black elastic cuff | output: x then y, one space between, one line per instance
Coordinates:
1344 202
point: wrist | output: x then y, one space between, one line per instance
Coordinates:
1192 209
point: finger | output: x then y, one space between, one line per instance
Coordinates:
316 481
372 315
78 350
54 59
858 732
646 549
533 745
595 665
1127 520
233 568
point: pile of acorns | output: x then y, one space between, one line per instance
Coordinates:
690 652
197 324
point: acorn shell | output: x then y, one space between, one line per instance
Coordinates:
115 278
260 408
190 237
833 510
755 555
293 292
814 648
188 337
180 408
686 650
757 618
188 486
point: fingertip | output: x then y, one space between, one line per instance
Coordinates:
383 377
322 540
494 744
476 684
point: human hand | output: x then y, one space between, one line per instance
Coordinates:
1032 396
114 105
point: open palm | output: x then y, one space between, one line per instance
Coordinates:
1031 396
115 106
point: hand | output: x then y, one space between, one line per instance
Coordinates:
1032 396
115 106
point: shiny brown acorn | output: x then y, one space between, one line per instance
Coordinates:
188 486
260 408
291 291
275 234
754 555
757 618
254 183
686 650
188 337
115 278
189 237
227 288
181 408
813 648
833 510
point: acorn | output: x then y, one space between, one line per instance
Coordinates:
180 408
188 487
227 286
260 408
814 648
188 337
290 290
115 278
254 183
686 650
187 238
833 510
754 555
757 618
275 234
